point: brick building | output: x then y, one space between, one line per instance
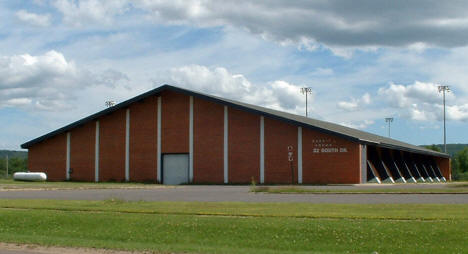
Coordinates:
172 135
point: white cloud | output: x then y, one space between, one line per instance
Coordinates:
422 102
341 26
83 12
348 105
458 112
277 94
355 104
33 18
358 124
46 82
322 72
214 81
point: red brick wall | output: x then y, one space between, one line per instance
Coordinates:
329 167
143 140
82 145
112 146
278 136
445 167
208 141
49 157
175 123
244 146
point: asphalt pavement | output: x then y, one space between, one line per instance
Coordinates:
215 193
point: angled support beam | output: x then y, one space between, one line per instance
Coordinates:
389 179
412 178
373 172
401 179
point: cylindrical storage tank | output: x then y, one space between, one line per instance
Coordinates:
29 176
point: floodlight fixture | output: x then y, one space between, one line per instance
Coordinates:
306 91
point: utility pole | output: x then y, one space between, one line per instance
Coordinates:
443 90
306 91
389 120
7 166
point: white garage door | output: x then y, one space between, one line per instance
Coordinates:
175 168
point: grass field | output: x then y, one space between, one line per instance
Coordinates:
9 184
453 188
236 227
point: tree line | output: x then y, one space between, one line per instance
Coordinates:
15 164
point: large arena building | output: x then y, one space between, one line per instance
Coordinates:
172 135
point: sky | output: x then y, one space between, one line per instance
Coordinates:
364 60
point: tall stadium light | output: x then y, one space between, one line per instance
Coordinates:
389 120
443 90
306 91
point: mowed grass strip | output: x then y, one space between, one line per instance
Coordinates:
447 189
10 184
296 210
233 234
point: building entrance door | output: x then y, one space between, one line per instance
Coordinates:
175 168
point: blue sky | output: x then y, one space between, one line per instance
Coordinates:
60 60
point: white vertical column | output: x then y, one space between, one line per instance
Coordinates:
127 145
67 167
262 150
158 155
363 153
96 154
191 140
226 152
299 154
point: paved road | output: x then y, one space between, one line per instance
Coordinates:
231 194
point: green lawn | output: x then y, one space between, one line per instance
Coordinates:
455 187
237 227
9 184
410 188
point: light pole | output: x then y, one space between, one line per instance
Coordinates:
6 166
389 120
443 90
306 90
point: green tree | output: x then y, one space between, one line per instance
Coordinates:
2 167
15 164
460 165
433 147
462 160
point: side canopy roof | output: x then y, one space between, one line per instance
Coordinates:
323 126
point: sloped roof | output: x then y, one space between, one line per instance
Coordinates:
323 126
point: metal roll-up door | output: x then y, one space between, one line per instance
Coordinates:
175 168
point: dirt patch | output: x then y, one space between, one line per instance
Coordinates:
37 249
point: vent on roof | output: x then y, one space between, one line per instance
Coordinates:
110 104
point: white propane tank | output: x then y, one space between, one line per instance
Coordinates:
29 176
